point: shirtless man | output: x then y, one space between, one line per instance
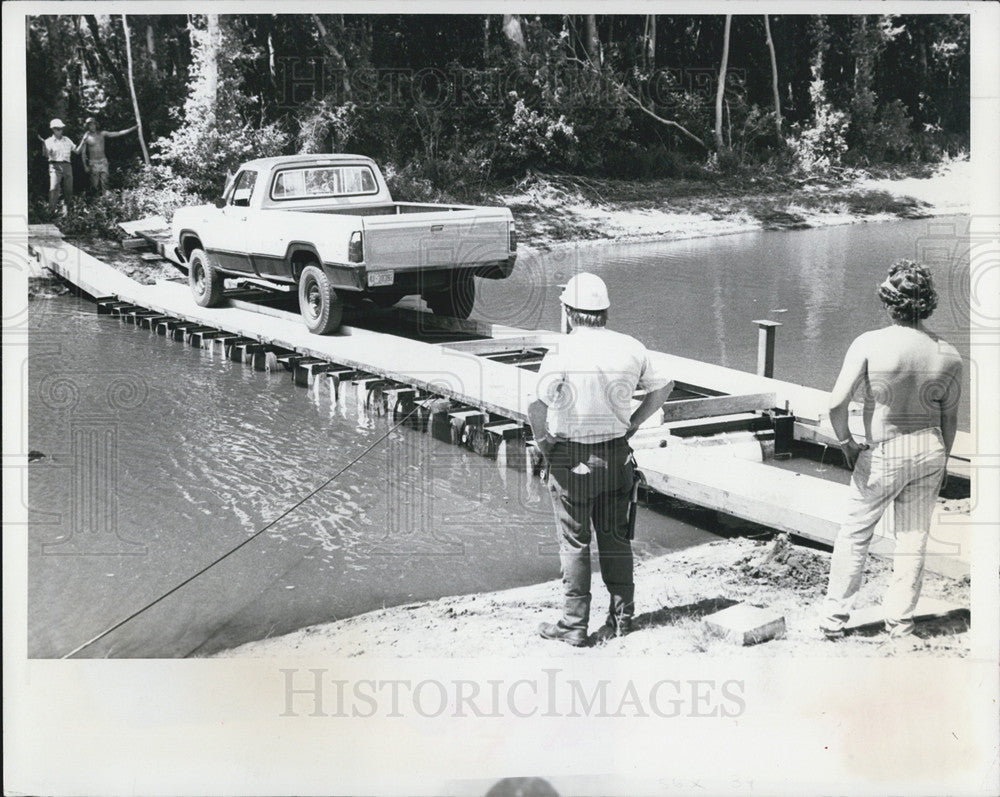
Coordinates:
95 161
910 382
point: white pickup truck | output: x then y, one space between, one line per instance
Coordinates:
327 224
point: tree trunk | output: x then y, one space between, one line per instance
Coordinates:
721 89
486 38
110 65
774 79
334 51
512 30
593 42
131 85
651 41
212 61
151 48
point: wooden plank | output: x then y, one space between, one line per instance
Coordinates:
504 345
797 503
148 223
687 409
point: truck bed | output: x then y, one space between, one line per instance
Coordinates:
393 209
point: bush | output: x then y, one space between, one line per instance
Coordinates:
537 139
822 145
149 191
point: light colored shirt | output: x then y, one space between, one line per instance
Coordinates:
59 149
587 383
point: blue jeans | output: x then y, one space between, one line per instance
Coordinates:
591 487
906 472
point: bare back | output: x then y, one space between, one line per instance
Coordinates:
911 380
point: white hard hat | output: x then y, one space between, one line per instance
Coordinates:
56 123
586 291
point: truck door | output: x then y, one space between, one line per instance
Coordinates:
233 239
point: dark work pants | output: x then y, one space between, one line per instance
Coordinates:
591 484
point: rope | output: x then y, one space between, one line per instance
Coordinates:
248 540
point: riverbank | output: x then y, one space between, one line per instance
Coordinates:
674 593
555 210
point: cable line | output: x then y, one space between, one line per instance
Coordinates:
249 539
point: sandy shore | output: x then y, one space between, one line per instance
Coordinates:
674 593
556 211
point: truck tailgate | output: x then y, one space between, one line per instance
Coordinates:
434 240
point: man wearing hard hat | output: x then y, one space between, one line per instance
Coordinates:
58 150
582 417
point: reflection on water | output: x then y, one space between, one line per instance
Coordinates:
194 453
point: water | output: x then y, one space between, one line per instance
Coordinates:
160 458
699 298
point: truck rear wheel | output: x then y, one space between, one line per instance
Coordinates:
321 308
206 283
456 300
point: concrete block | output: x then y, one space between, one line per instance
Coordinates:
743 624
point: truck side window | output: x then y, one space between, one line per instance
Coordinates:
243 189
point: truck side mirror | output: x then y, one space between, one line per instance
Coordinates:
220 202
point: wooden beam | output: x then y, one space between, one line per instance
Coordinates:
689 409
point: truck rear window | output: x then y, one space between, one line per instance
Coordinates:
320 181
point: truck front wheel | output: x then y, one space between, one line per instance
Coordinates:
319 304
206 283
456 300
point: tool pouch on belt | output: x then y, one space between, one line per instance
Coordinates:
633 497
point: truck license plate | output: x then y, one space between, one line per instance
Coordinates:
380 278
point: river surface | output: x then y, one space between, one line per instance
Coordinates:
160 458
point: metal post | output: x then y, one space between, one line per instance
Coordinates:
765 347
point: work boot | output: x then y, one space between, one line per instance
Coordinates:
613 628
571 636
832 633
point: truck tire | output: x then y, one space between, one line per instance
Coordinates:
206 283
456 300
321 308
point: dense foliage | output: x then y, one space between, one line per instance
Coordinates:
455 104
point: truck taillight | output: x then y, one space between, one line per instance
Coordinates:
512 236
356 248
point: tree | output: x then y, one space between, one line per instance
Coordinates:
774 79
649 42
217 131
593 42
131 86
721 87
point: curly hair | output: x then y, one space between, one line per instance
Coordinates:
908 292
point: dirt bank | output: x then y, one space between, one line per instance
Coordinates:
556 210
674 593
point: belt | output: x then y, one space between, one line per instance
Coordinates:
612 441
59 163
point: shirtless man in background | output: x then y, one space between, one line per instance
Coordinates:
910 382
95 161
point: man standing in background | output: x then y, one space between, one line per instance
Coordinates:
58 150
95 160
